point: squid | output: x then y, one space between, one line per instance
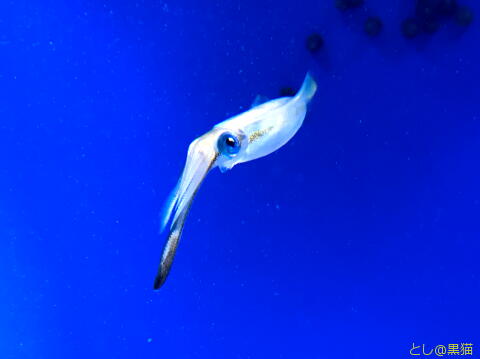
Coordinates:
261 130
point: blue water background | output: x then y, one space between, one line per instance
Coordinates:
356 239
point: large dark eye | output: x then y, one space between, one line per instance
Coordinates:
228 144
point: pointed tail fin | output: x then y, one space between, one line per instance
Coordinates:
308 89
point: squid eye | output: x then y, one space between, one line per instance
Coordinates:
228 144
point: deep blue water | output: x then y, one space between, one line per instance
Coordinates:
356 239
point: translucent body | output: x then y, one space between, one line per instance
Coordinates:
257 133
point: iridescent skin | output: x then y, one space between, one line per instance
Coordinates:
250 135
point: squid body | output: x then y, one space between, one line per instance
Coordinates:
245 137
